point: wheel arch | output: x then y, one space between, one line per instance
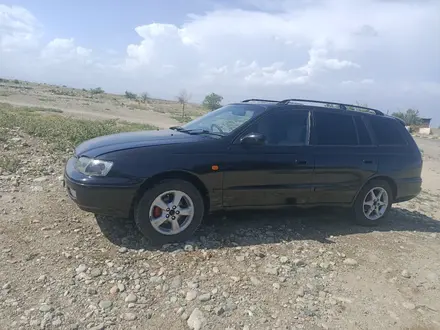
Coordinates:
385 178
182 175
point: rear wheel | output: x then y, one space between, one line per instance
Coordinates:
170 211
373 203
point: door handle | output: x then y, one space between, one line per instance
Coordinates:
367 161
300 162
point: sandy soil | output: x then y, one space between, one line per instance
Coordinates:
61 268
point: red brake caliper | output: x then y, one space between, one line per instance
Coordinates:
157 212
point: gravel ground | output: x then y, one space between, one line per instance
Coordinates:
61 268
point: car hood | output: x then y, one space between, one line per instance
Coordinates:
114 142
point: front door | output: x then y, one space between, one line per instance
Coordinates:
278 172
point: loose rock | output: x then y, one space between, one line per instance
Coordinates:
129 316
350 262
205 297
131 298
196 320
191 295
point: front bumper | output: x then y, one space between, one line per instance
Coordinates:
104 196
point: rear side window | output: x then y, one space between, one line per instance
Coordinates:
334 129
387 131
364 136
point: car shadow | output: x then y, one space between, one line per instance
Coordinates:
247 228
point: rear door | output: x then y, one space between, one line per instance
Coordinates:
344 154
278 172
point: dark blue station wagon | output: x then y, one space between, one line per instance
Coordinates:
252 154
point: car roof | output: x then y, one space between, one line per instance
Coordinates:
319 105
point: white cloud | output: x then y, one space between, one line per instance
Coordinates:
19 29
62 50
366 50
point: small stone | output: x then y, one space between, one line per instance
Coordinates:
191 295
131 298
219 310
123 250
114 290
298 262
235 278
96 272
81 269
129 317
6 286
255 281
176 282
45 308
91 291
271 270
42 278
405 274
40 179
239 258
205 297
196 320
188 248
105 304
276 286
121 287
215 270
409 305
56 322
350 262
324 265
300 292
284 260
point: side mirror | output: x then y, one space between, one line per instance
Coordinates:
253 139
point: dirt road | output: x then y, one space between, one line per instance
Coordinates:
61 268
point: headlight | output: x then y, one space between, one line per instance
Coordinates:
93 167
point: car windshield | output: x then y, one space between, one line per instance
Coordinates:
225 119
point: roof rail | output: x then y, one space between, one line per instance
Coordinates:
259 100
342 106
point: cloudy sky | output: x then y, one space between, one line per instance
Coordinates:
385 53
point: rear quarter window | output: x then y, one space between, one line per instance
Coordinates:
387 132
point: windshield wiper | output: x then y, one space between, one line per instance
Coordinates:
203 131
194 131
177 128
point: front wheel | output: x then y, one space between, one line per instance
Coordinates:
170 211
373 203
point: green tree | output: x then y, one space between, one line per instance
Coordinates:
410 117
212 101
130 95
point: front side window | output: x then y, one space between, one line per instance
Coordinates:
225 119
332 129
283 128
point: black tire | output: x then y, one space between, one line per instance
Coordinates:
358 207
142 210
